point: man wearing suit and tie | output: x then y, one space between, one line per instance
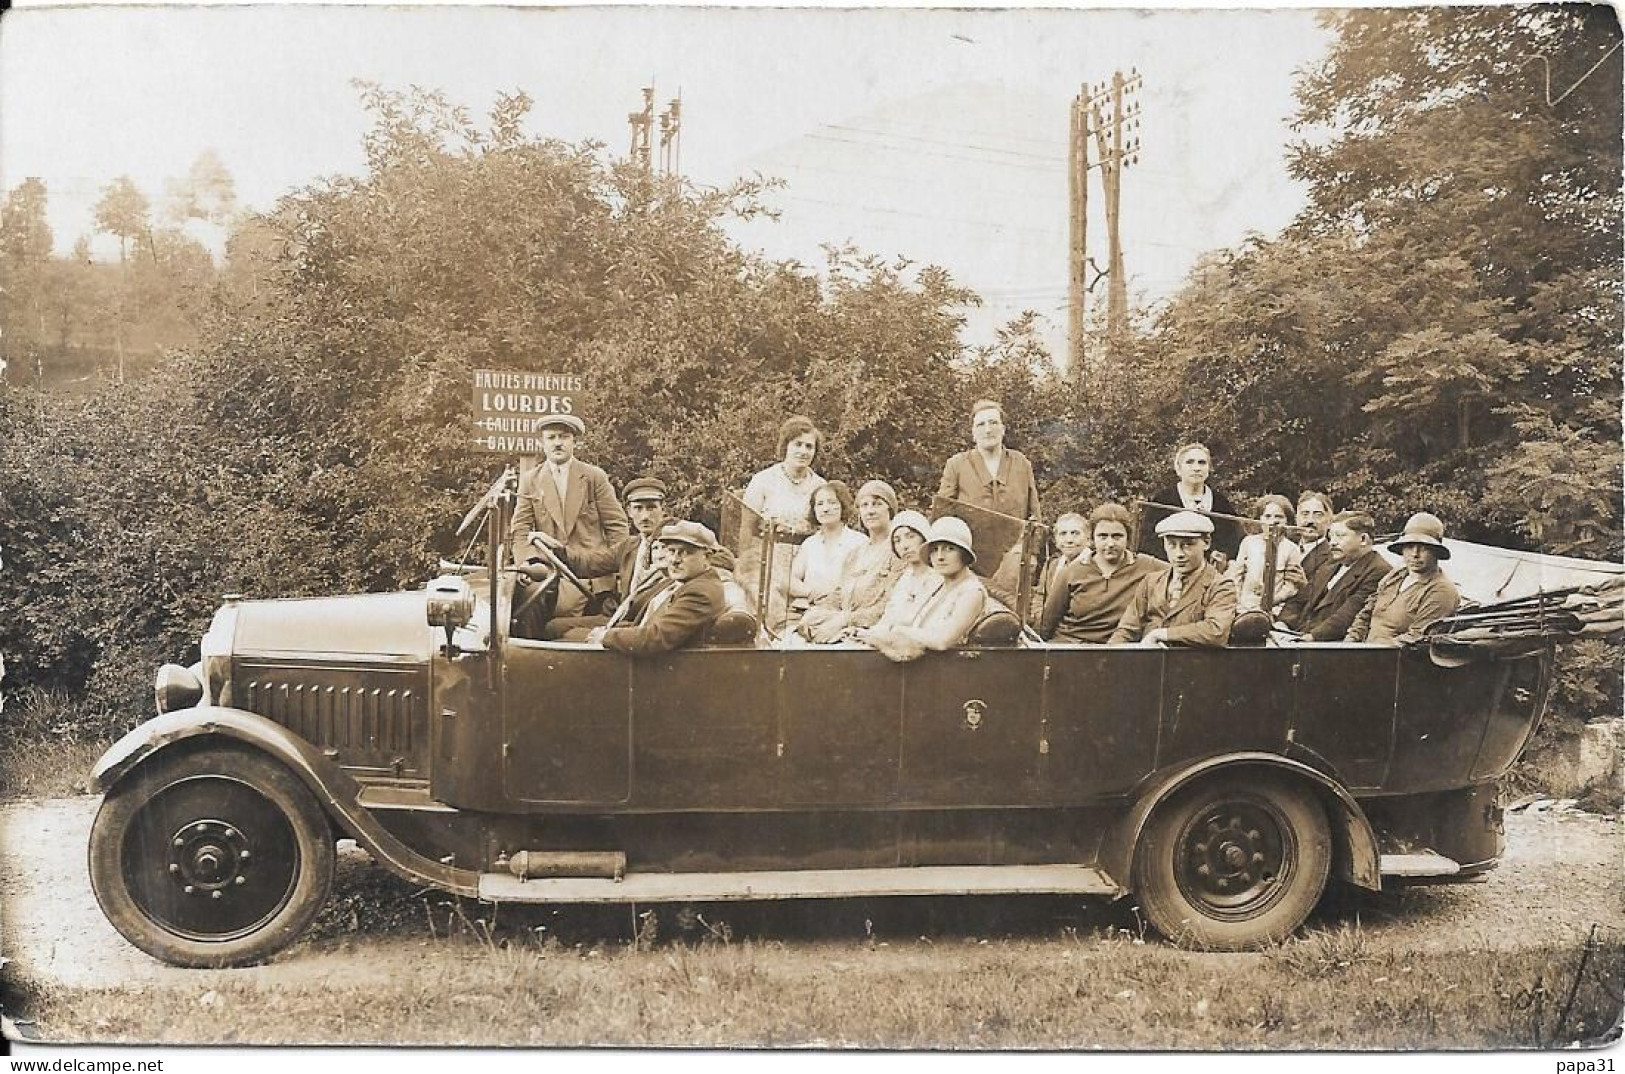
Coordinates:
566 504
678 612
1314 515
1189 604
631 560
1339 589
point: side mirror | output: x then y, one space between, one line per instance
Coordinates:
449 605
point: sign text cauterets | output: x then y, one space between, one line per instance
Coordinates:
510 407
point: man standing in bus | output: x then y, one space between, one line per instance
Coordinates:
1192 603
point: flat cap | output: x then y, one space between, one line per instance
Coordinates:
1185 524
568 421
644 488
689 533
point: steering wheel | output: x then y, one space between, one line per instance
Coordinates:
558 565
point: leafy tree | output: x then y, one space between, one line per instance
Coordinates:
25 280
1439 328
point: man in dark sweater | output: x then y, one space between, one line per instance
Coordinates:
1088 598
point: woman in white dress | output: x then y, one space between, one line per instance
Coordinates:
944 619
780 496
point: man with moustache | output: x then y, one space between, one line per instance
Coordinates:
1336 593
631 559
1314 515
1191 603
1087 601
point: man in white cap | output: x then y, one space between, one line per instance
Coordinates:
677 613
567 505
1191 603
1410 598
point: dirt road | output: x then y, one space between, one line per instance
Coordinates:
1562 873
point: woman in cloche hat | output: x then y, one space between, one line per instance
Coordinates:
946 617
1413 597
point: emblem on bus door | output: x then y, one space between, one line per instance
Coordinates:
974 711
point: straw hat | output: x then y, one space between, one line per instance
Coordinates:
950 530
1422 528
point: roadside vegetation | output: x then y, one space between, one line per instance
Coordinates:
712 985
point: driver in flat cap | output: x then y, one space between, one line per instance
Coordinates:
567 505
1191 603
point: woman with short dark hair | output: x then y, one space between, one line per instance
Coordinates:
780 496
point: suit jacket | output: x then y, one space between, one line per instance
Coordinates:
1325 612
1316 557
1015 493
589 520
692 607
1201 616
1226 534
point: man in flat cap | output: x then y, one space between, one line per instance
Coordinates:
631 560
1191 603
567 505
677 613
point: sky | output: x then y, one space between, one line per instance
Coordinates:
935 135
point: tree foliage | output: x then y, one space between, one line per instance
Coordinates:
1439 328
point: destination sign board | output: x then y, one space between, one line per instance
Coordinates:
511 407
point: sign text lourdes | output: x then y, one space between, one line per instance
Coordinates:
509 408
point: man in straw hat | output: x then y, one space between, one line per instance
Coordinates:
1413 597
1189 604
566 505
678 613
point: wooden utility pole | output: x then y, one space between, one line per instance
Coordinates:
1117 144
1077 181
642 124
671 136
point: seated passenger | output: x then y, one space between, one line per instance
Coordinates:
944 618
867 576
1189 604
630 560
677 613
1326 608
1410 598
1071 536
1087 601
818 570
915 581
1247 572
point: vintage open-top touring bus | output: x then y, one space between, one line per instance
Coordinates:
1223 788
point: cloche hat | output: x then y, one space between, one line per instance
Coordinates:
954 531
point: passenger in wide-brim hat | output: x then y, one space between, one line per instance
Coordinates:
1422 529
1413 597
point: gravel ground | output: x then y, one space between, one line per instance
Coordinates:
1563 872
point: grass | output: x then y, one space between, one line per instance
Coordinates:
42 755
700 978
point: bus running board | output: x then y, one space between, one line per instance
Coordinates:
805 884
